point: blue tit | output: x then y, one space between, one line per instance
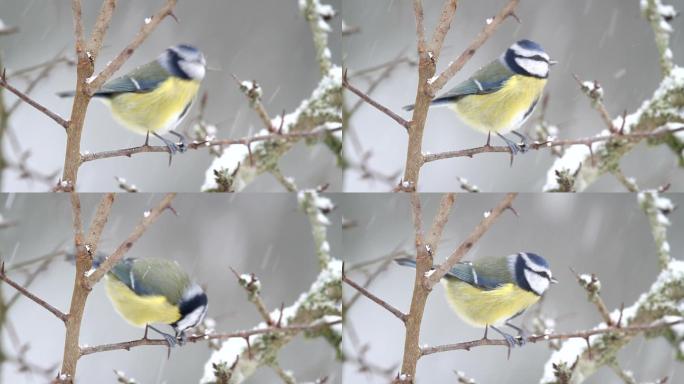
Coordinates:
155 291
154 98
503 94
491 292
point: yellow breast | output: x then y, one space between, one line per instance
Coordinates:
480 308
156 111
140 310
504 110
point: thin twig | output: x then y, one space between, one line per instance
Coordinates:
128 152
127 345
636 136
58 119
397 313
59 314
537 338
345 83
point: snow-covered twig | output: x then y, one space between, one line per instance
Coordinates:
583 165
657 208
321 304
578 359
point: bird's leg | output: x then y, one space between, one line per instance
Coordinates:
181 337
512 341
147 139
489 138
485 335
512 145
522 334
183 145
523 145
171 340
173 148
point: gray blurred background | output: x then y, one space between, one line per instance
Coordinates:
211 234
605 40
266 40
606 234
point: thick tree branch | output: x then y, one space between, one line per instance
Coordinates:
86 85
428 85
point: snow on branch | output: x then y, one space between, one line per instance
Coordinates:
238 358
657 208
578 359
239 165
586 163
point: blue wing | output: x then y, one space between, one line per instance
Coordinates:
141 80
488 79
467 273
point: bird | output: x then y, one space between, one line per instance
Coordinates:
493 291
147 291
155 97
502 95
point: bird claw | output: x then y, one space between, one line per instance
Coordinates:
512 341
174 148
182 145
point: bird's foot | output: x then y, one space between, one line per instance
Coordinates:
171 340
522 334
182 144
173 147
524 143
512 341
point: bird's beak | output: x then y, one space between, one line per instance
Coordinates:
553 62
553 280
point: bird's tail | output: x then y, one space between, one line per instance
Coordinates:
406 262
73 93
97 259
435 102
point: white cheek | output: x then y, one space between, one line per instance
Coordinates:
535 67
194 70
193 318
536 282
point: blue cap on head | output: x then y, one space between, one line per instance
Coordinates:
536 259
529 44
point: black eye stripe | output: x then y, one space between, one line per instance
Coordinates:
543 274
535 58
